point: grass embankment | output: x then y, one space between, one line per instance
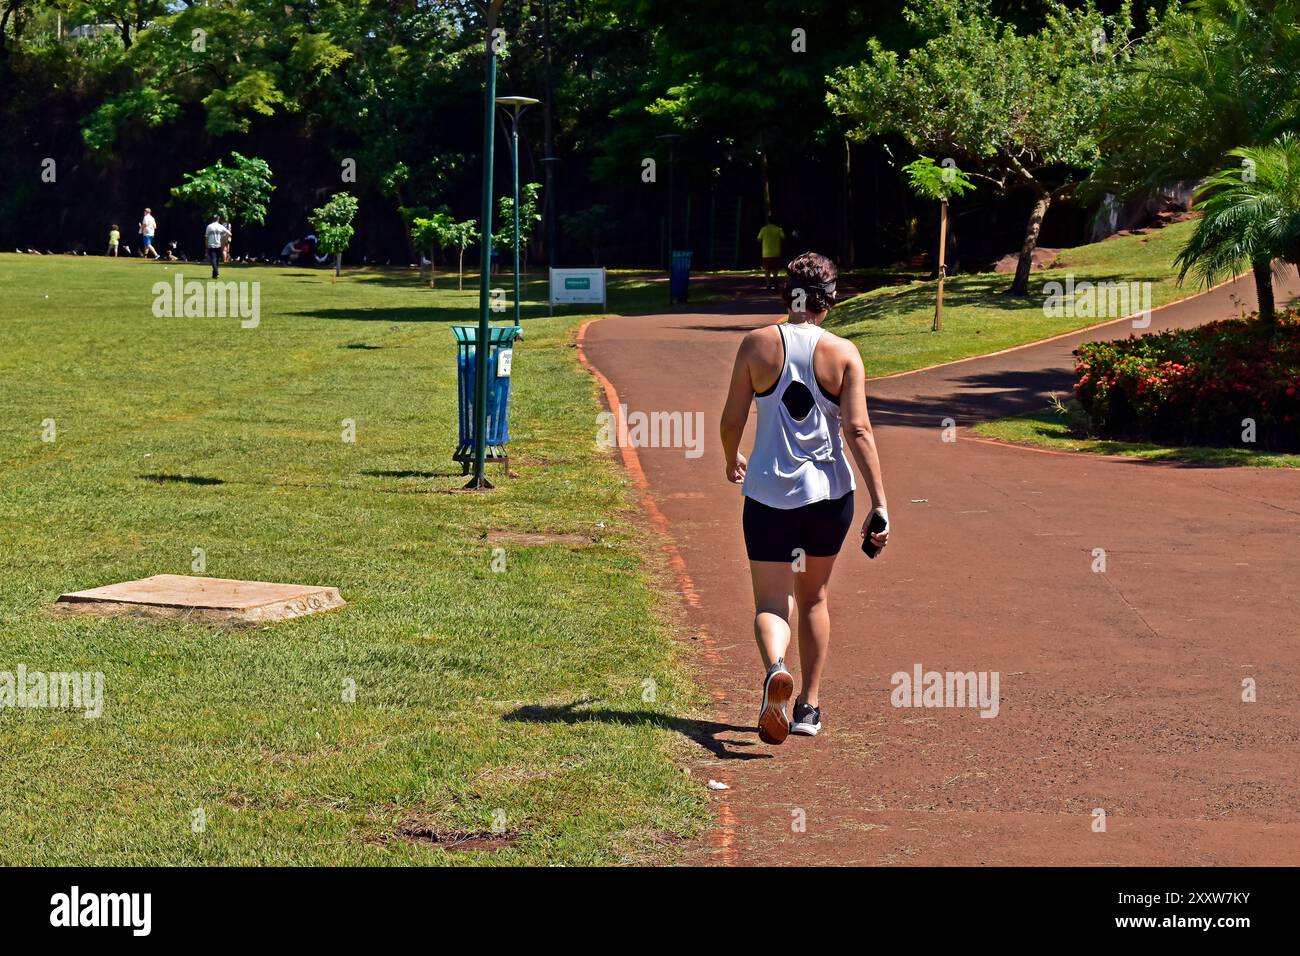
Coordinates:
482 698
1060 431
891 325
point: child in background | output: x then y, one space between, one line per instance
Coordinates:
114 237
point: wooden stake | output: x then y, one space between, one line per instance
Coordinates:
943 268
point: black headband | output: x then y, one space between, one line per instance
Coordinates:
825 288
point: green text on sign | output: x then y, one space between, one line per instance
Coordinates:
571 282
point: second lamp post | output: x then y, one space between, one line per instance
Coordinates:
515 105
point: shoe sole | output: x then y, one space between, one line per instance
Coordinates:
773 724
806 730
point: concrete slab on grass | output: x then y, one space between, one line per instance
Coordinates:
209 599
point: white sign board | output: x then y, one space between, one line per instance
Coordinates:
504 358
577 286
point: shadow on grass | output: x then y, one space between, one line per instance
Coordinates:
404 314
181 479
703 732
412 474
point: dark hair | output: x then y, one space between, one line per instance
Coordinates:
815 275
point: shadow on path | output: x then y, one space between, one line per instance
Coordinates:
703 732
975 397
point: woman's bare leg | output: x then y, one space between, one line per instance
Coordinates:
773 604
810 589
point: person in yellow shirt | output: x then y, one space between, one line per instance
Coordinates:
114 238
770 236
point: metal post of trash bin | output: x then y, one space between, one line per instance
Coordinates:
494 416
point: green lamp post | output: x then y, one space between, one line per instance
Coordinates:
485 258
515 105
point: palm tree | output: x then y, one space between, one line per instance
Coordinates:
1250 216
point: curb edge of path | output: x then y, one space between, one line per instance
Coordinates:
723 835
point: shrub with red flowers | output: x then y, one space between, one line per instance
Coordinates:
1196 386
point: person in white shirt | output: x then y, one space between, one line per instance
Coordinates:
810 389
148 226
215 237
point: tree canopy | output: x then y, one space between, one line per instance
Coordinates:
1018 110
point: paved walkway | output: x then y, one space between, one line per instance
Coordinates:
1118 690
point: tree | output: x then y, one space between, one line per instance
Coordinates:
743 80
1204 81
333 225
236 62
931 181
1250 216
588 227
1019 111
129 16
528 215
442 232
461 236
431 233
236 193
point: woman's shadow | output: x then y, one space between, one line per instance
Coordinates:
706 733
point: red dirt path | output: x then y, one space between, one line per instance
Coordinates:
1119 690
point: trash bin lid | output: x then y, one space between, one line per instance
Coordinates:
497 334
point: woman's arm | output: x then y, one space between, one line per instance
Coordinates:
735 413
856 424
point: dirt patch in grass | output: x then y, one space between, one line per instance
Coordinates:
421 831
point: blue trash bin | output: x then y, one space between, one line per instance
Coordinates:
679 276
500 340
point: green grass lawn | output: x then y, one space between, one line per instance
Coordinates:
891 325
1053 429
513 698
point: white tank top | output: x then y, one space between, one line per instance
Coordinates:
798 455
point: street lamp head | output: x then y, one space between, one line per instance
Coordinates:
518 102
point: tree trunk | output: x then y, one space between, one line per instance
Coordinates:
846 206
406 225
767 182
1020 286
1264 289
338 263
460 279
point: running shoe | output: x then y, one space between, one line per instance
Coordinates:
807 720
778 688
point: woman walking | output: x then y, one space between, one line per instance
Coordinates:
810 388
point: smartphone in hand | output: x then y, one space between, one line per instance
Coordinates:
877 525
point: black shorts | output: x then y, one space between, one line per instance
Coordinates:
818 529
